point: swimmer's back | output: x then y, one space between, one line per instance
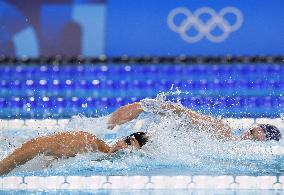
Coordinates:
70 143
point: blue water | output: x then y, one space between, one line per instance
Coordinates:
174 149
238 90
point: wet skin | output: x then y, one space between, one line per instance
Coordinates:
255 133
61 145
121 144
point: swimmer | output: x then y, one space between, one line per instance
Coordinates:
258 132
69 144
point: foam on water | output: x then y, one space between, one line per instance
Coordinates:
174 142
91 125
175 147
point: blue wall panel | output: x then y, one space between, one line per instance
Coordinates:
141 27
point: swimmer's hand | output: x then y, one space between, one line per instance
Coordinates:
151 105
124 114
159 107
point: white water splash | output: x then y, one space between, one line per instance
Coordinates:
174 142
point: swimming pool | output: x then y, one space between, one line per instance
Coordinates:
40 100
262 166
238 170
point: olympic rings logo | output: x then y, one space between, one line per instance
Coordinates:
204 29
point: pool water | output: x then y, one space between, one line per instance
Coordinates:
174 149
85 94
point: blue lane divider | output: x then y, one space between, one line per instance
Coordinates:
140 84
91 70
61 91
59 107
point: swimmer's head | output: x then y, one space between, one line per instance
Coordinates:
135 140
140 137
262 132
271 132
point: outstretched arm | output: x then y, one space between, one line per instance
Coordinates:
66 144
222 129
131 111
21 155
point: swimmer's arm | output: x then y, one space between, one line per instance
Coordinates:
124 114
132 111
59 145
96 144
21 155
223 130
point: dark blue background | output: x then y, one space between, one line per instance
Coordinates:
94 27
140 28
